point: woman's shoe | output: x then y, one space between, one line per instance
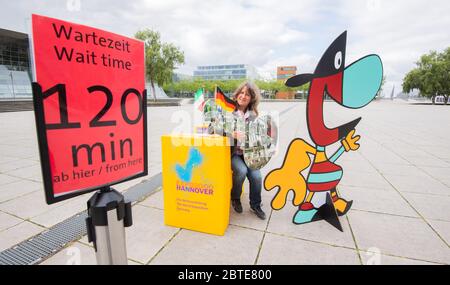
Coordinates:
237 206
259 212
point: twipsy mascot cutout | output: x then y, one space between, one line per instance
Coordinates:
353 87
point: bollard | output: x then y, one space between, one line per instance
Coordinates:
108 215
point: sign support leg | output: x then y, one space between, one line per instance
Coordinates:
108 215
328 213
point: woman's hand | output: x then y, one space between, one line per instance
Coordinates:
238 135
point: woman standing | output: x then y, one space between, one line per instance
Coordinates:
247 97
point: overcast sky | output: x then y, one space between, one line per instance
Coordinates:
263 33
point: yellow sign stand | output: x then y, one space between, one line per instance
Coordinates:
196 172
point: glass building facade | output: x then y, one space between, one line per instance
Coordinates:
225 72
15 67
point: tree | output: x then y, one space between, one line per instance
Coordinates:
227 86
160 58
431 76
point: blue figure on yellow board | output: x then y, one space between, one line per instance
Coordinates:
354 87
194 159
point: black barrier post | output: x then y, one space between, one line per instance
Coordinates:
108 215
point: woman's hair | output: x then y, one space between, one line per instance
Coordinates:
254 92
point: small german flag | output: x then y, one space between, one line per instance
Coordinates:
224 102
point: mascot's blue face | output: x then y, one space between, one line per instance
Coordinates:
353 87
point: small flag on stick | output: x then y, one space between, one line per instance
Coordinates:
224 102
199 100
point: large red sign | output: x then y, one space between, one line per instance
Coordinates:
90 107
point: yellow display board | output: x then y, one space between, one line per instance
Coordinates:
196 172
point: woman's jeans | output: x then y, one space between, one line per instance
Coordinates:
240 171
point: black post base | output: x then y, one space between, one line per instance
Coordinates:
328 213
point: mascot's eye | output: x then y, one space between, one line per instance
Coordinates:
338 60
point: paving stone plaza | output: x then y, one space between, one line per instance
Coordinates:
399 181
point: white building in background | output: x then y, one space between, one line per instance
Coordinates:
15 73
226 72
180 77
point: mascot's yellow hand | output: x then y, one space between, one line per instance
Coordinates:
288 177
350 141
